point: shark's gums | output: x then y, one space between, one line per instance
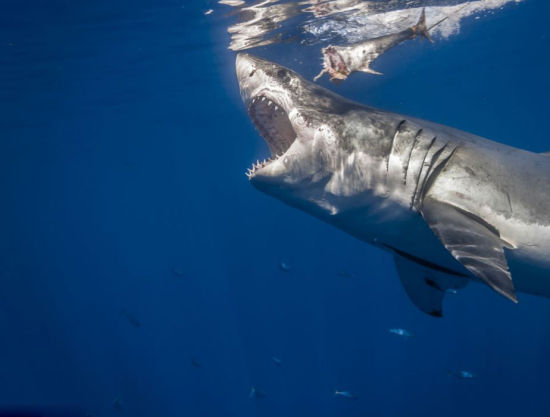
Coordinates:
450 206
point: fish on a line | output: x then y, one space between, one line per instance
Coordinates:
339 62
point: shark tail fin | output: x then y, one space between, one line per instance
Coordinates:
420 29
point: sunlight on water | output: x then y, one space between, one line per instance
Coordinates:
271 21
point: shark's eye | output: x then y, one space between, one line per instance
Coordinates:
282 73
252 72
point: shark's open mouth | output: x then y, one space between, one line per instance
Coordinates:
273 123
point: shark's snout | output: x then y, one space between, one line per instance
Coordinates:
246 67
264 96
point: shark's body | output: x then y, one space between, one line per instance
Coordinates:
450 206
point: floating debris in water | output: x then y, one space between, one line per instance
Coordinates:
285 266
345 394
276 361
131 318
256 393
461 374
400 332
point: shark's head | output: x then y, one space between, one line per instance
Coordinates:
304 127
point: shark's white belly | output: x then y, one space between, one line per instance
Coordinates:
392 226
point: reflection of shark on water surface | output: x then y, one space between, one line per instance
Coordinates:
346 22
450 206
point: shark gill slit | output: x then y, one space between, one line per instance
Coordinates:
406 168
397 131
422 184
435 172
417 181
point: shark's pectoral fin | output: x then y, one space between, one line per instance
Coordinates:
474 243
426 286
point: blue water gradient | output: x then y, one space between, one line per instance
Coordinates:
139 271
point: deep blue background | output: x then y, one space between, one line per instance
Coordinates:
123 146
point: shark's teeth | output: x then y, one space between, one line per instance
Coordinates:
259 165
269 119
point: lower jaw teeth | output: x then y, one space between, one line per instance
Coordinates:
258 165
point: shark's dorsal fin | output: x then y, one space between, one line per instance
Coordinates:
426 286
474 243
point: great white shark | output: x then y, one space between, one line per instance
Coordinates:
450 206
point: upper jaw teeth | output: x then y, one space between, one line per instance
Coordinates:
262 98
259 165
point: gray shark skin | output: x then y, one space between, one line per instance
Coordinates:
450 206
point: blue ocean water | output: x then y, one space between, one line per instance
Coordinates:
140 272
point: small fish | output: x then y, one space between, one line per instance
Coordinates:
276 361
346 274
461 374
340 61
285 266
178 271
209 11
117 404
256 393
345 394
400 332
131 319
451 291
